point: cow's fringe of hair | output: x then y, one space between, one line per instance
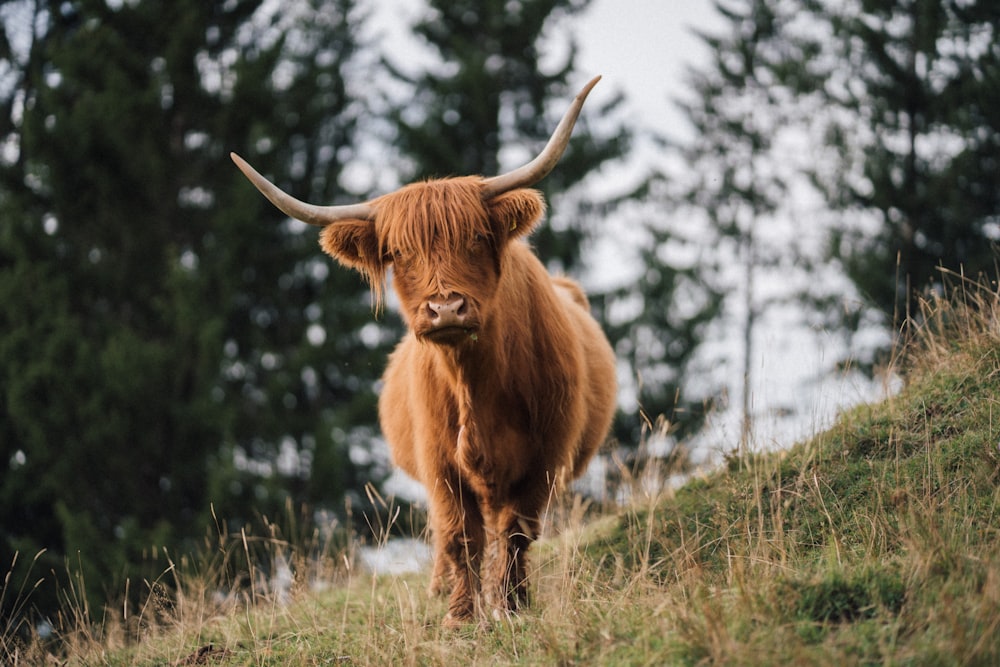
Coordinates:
445 214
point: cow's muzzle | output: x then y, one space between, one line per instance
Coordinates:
448 320
447 311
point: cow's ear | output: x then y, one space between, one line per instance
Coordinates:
353 243
515 213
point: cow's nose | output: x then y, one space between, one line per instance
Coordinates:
447 310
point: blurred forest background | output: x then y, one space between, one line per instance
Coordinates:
177 359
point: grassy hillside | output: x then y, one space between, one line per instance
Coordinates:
876 542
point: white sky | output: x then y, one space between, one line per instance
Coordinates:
640 47
643 47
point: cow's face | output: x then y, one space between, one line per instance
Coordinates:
445 239
445 246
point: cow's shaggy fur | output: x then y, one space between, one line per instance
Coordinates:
493 415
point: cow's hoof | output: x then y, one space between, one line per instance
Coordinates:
457 622
502 614
438 588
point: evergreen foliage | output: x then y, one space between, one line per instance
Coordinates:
910 90
888 107
738 113
171 350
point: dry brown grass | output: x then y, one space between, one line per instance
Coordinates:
875 542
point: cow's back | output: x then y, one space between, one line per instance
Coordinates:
598 377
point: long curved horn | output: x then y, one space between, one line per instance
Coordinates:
294 208
540 167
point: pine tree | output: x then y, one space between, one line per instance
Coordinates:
735 121
169 346
744 169
657 321
912 117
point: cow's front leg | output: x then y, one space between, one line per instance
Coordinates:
511 532
440 574
457 527
520 534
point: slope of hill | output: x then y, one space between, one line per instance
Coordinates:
876 542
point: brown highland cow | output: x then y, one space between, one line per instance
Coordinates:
504 386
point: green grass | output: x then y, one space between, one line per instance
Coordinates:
876 542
